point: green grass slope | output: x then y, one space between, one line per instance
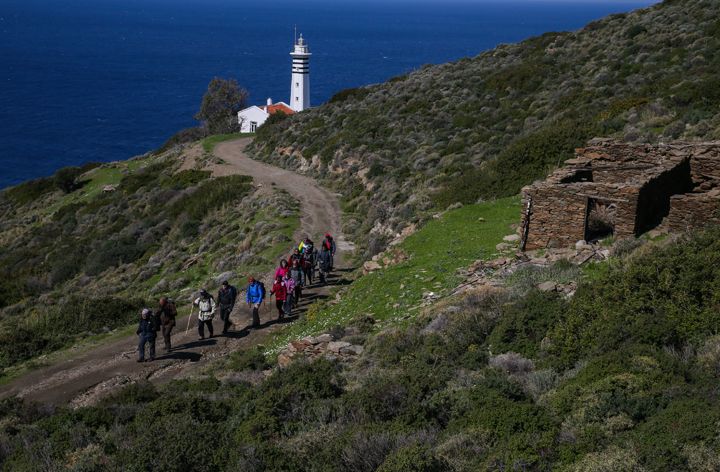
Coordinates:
425 263
485 126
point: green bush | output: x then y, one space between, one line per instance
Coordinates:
212 194
412 459
31 190
347 94
249 359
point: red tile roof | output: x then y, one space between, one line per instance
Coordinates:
271 109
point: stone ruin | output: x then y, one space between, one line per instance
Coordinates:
623 190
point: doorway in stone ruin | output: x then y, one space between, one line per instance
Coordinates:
599 219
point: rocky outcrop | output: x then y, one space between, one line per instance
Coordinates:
323 346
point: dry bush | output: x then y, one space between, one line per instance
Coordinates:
511 363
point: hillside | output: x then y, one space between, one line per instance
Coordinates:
621 376
485 126
77 262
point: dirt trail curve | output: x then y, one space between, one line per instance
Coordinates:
89 375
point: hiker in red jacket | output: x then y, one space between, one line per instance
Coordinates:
329 244
280 292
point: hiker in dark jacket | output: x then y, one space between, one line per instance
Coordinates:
296 256
226 299
166 312
324 263
254 297
307 249
147 330
298 275
329 244
280 292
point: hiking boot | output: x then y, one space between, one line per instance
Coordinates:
140 360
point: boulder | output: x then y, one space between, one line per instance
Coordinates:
353 350
324 338
547 287
335 346
512 238
229 275
371 266
284 360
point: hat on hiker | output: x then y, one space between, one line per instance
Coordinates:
145 312
225 283
204 293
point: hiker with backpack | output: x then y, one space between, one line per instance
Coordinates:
329 244
207 306
226 298
324 263
290 291
297 273
280 291
147 330
254 296
166 312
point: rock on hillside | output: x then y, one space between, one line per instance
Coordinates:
485 126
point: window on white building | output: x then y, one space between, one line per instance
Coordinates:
253 126
297 84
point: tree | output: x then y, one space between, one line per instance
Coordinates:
220 104
66 179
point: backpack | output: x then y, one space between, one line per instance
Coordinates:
262 289
172 309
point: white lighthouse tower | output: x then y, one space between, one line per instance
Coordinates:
300 85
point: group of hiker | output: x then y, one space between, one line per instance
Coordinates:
291 276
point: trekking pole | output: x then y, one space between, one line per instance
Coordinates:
192 308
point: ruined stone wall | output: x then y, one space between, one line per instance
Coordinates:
705 168
693 210
679 182
557 218
559 212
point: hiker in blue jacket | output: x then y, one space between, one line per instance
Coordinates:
147 330
254 297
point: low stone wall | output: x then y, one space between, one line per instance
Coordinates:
693 210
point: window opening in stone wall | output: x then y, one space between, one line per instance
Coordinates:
580 175
600 220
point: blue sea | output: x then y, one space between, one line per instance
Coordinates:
102 80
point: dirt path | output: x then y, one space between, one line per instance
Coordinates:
84 378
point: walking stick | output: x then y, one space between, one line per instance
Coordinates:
192 308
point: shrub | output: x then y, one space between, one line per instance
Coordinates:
187 135
412 459
350 93
65 179
211 195
249 359
31 190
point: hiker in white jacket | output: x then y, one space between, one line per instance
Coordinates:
206 303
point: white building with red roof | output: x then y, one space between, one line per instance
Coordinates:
251 118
